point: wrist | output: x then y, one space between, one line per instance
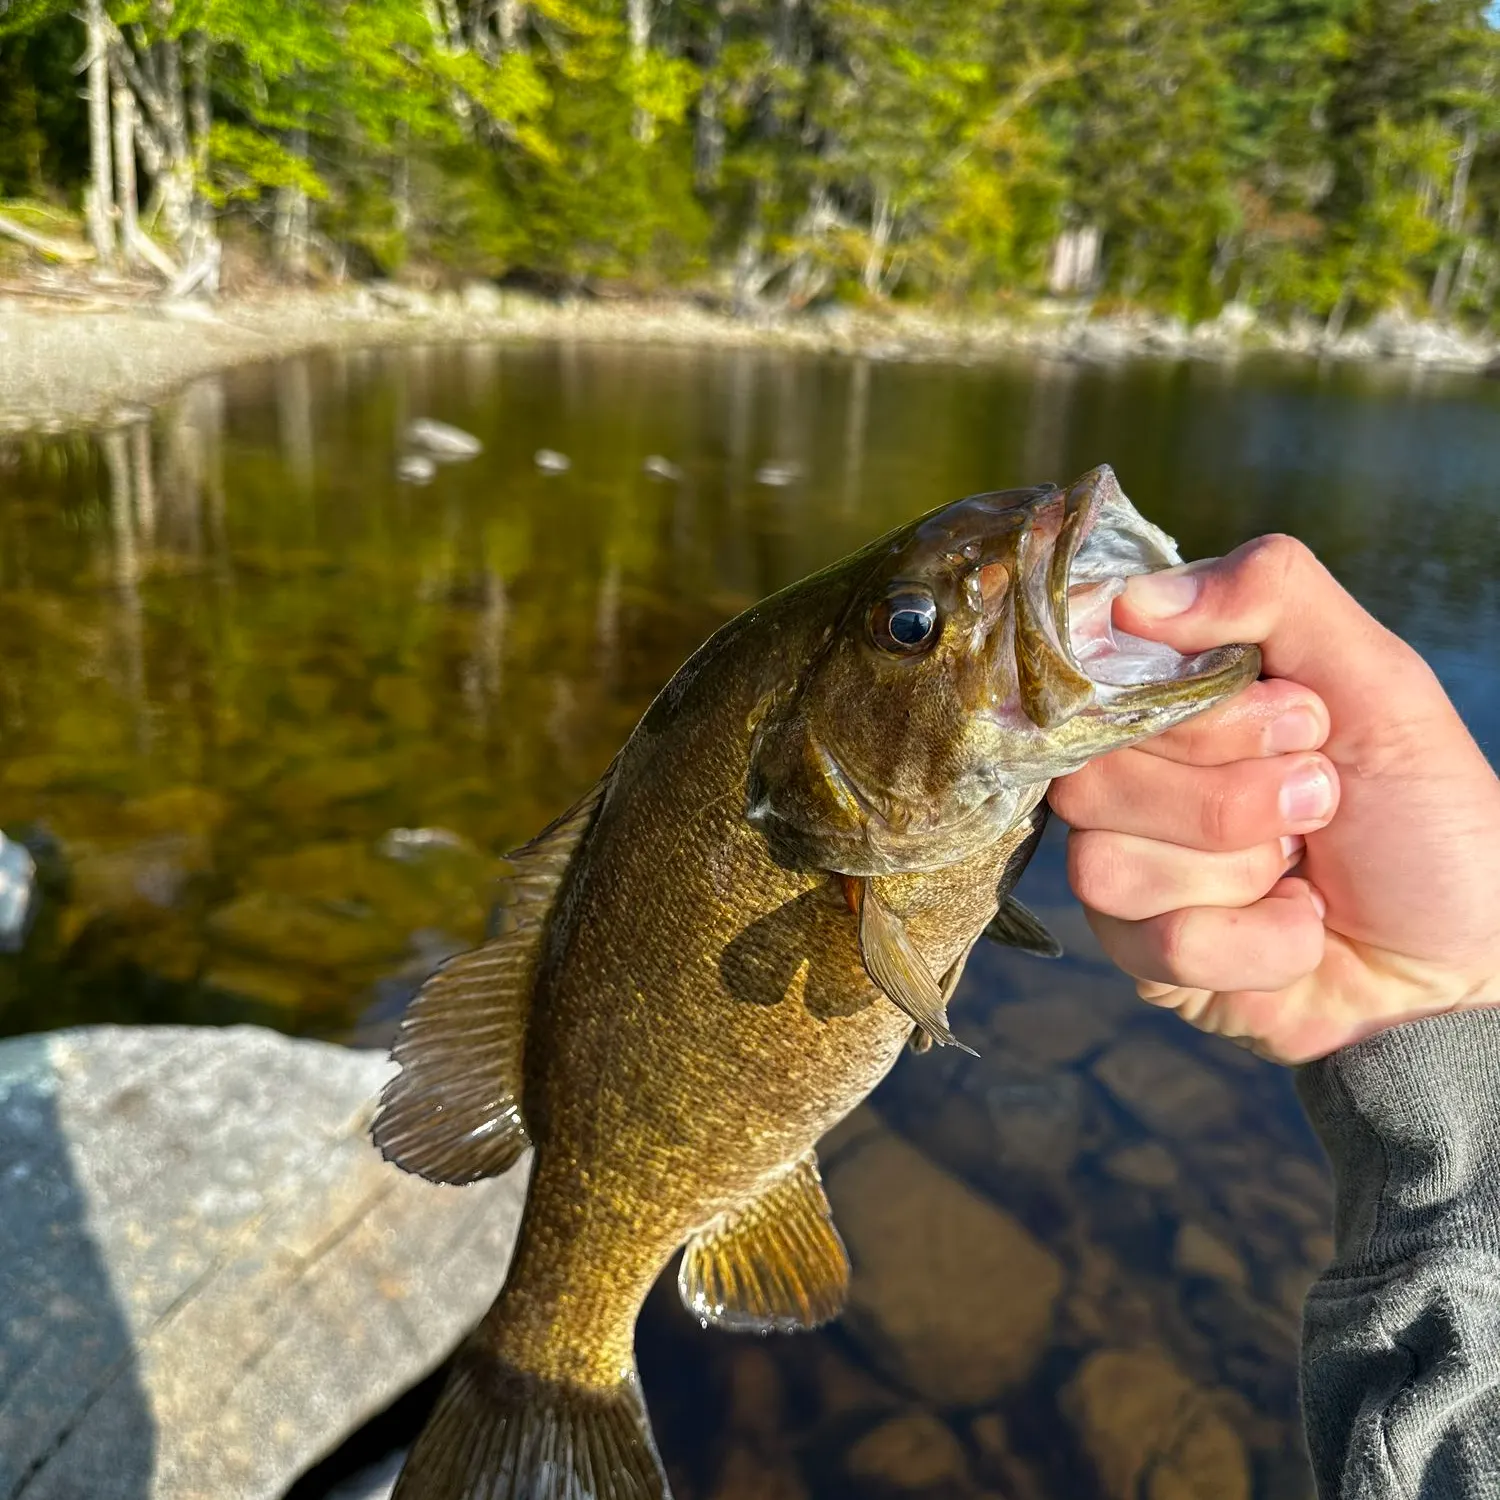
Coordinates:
1410 1119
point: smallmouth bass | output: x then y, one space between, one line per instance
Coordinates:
726 944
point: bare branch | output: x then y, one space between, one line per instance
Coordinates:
42 244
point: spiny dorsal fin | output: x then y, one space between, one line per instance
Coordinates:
773 1266
900 971
1017 926
453 1112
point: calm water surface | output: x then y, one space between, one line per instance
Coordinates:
268 716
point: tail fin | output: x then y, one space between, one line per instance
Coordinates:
500 1434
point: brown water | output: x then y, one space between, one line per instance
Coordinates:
240 656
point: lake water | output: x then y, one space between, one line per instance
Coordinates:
269 714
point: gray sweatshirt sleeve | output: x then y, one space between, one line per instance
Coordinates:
1401 1335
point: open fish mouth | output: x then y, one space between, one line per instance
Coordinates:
1075 557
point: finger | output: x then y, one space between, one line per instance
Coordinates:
1133 878
1273 591
1267 946
1271 717
1200 807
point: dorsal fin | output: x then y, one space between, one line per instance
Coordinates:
774 1265
453 1112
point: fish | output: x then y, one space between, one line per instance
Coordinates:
701 967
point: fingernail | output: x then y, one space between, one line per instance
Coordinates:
1161 595
1319 904
1307 797
1292 845
1297 729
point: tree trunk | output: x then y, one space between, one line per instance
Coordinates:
291 234
1336 319
1458 194
101 192
638 21
401 180
708 121
881 221
482 37
1464 281
1454 214
748 275
125 191
510 17
1074 263
1437 298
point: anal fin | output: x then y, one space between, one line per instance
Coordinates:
899 971
454 1111
775 1265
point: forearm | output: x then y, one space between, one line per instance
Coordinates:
1401 1337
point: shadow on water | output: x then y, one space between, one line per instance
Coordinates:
269 714
74 1420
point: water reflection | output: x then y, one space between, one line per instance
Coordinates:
239 653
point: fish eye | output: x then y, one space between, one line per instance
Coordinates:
904 624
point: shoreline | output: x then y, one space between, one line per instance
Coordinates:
98 361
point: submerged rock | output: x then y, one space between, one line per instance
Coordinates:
951 1297
1167 1088
209 1276
284 928
914 1453
1197 1251
1152 1432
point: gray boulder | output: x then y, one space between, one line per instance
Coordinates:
208 1276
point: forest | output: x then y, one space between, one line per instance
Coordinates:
1321 159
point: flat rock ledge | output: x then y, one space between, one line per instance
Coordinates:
208 1277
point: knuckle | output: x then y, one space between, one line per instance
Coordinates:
1272 568
1222 812
1095 869
1176 945
1278 558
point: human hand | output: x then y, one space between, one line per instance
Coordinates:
1182 846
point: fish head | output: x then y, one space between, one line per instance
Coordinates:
974 659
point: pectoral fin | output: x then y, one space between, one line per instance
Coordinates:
899 970
453 1112
1018 927
773 1266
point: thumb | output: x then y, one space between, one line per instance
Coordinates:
1274 592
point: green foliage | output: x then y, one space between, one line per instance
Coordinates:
1313 157
247 162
